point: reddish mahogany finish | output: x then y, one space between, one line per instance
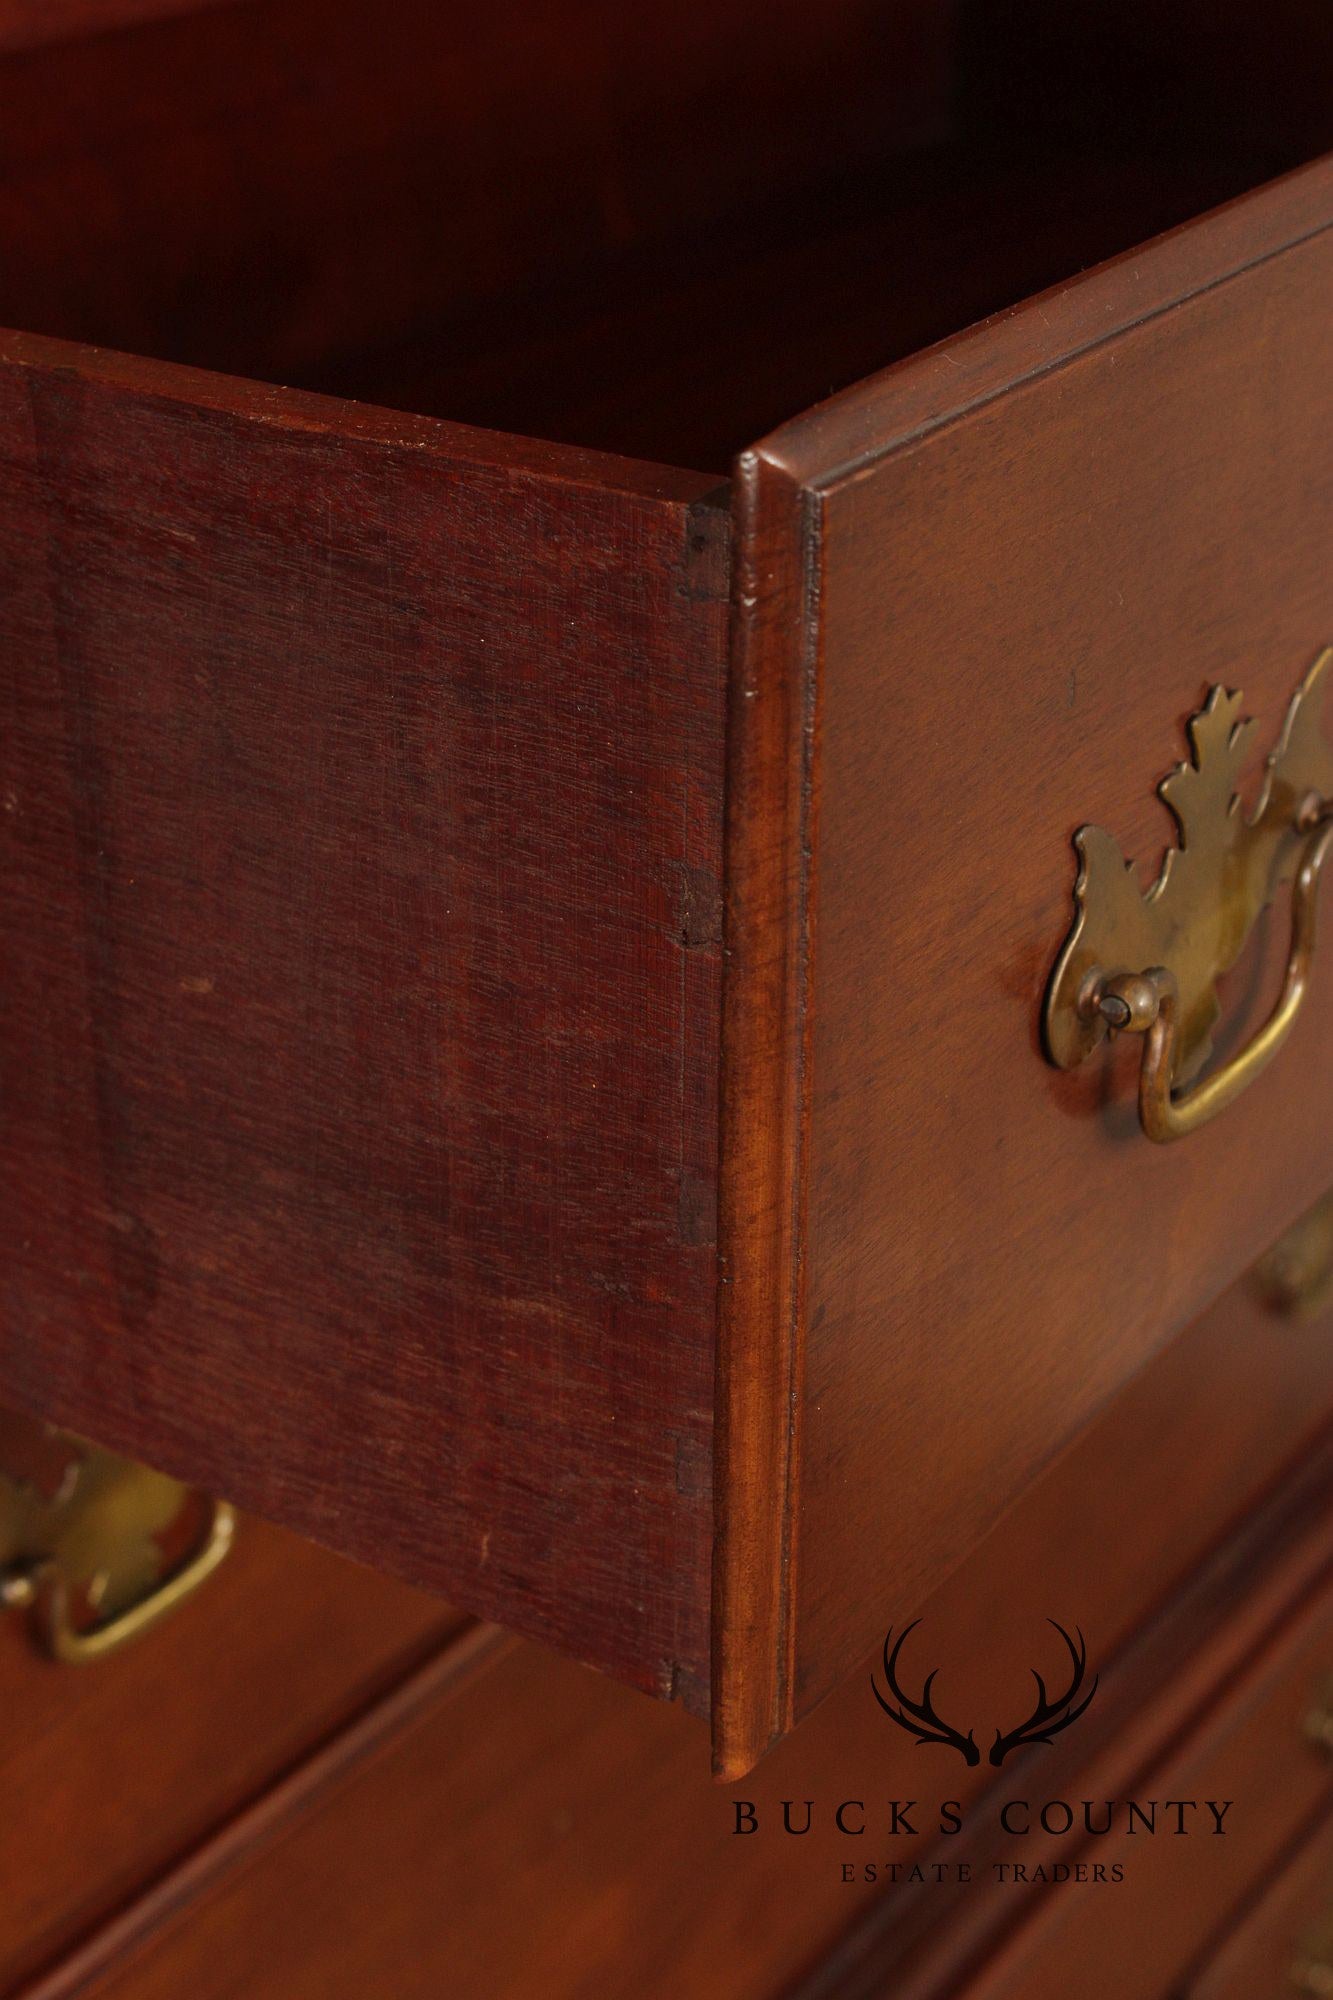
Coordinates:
1289 1924
386 804
976 598
362 784
108 1776
28 23
531 1827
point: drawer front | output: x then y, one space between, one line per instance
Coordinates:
361 829
1138 1939
980 596
109 1769
1282 1947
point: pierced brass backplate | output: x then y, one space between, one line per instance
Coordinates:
84 1537
1149 961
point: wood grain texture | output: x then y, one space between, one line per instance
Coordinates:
108 1775
1020 560
653 232
1172 1612
267 186
1139 1943
1256 1958
26 24
366 806
761 1223
533 1828
1224 1721
468 1650
362 831
689 348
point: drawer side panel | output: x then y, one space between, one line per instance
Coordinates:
361 852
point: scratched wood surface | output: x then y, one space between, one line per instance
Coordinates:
361 844
979 595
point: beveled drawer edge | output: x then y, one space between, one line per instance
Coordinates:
832 444
765 1024
311 411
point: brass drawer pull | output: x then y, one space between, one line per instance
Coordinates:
1295 1277
93 1542
1311 1971
1149 964
1149 1002
1318 1724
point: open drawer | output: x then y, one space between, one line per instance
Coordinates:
521 1033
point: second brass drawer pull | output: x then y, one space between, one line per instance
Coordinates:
1149 964
85 1557
1295 1277
1318 1724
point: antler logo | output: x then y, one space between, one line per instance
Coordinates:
1049 1716
918 1718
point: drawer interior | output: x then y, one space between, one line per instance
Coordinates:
657 231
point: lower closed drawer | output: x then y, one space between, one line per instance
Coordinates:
1139 1939
1283 1946
109 1770
528 1827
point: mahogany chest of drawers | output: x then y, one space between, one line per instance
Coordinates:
589 1002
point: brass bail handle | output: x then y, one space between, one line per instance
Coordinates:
1148 961
83 1541
1147 1003
45 1591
